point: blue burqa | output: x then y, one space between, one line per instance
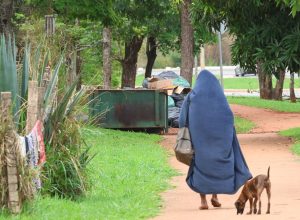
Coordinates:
219 166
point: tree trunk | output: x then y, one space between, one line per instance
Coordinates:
73 62
107 72
78 63
187 42
279 86
6 13
129 63
292 90
71 65
78 70
196 65
151 55
265 83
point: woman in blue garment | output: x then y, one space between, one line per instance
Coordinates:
218 166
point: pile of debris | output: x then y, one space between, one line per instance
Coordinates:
177 88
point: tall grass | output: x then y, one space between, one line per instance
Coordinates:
67 157
65 174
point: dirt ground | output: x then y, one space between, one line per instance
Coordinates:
263 147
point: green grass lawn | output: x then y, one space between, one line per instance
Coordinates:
139 80
251 83
295 134
241 83
236 82
282 106
128 173
243 125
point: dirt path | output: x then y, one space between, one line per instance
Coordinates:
261 150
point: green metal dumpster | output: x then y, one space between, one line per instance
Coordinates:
134 108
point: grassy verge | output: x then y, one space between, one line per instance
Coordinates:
282 106
295 134
128 173
243 125
241 83
251 83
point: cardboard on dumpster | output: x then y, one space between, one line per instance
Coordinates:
170 91
182 90
156 83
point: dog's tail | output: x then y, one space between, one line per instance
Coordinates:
268 176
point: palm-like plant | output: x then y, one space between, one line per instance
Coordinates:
61 131
8 70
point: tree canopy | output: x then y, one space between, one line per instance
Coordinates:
263 31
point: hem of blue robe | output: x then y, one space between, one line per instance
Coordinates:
229 192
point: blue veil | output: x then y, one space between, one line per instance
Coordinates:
219 166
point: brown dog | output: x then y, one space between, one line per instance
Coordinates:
252 190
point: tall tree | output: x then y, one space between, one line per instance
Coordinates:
291 51
187 42
107 70
151 48
133 23
96 11
108 18
163 34
260 35
6 14
129 62
293 4
167 39
292 88
138 19
102 11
